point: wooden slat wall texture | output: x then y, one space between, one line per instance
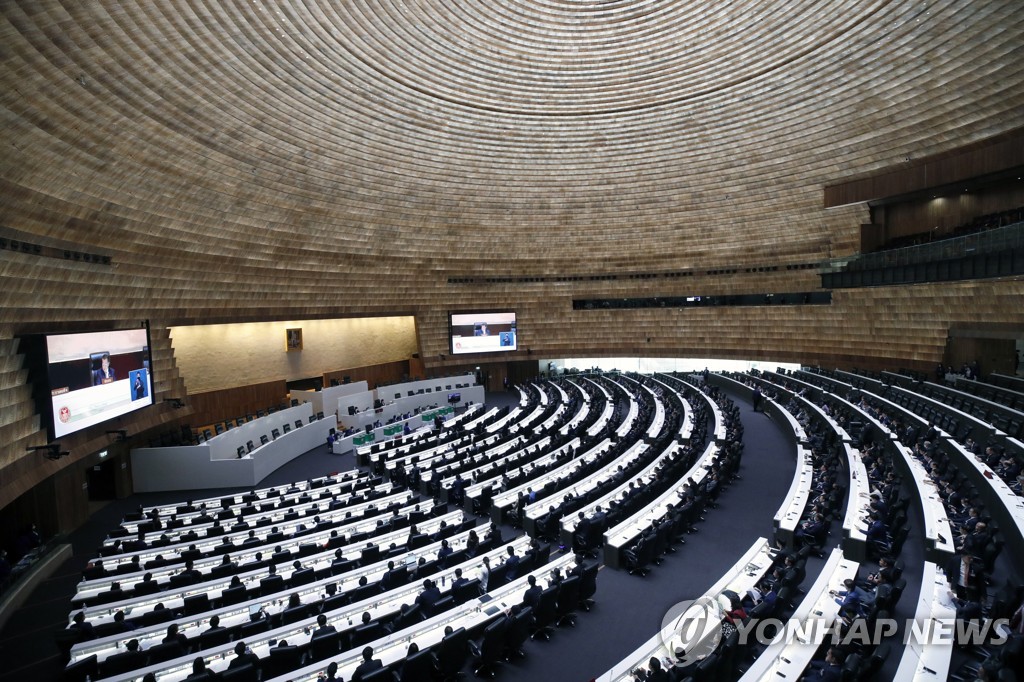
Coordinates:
245 161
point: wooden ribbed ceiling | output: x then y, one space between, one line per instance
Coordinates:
449 133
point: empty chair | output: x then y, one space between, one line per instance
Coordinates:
588 586
282 659
568 600
546 613
196 603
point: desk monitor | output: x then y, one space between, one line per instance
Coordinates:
264 440
398 396
249 446
319 415
275 434
241 451
448 387
312 418
287 428
239 421
219 428
207 434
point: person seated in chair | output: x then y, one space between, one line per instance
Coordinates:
532 595
322 628
429 596
368 665
243 656
511 565
829 670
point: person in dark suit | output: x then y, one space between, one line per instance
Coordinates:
83 627
654 672
138 389
105 374
322 627
511 565
579 536
368 665
199 671
459 580
830 670
532 595
243 657
429 596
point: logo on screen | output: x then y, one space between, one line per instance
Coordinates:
65 414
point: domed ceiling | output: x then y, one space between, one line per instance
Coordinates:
452 133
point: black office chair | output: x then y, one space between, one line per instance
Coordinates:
380 675
466 591
546 613
233 595
165 651
568 600
208 640
244 673
196 603
282 660
122 663
294 614
518 632
412 615
491 648
588 586
324 646
452 653
302 577
366 633
418 667
253 629
271 584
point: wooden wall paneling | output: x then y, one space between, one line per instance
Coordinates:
210 407
373 375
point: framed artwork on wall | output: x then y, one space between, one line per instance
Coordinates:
293 339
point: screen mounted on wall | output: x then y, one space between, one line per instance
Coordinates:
97 376
482 332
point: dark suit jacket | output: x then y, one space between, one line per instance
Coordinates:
365 668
